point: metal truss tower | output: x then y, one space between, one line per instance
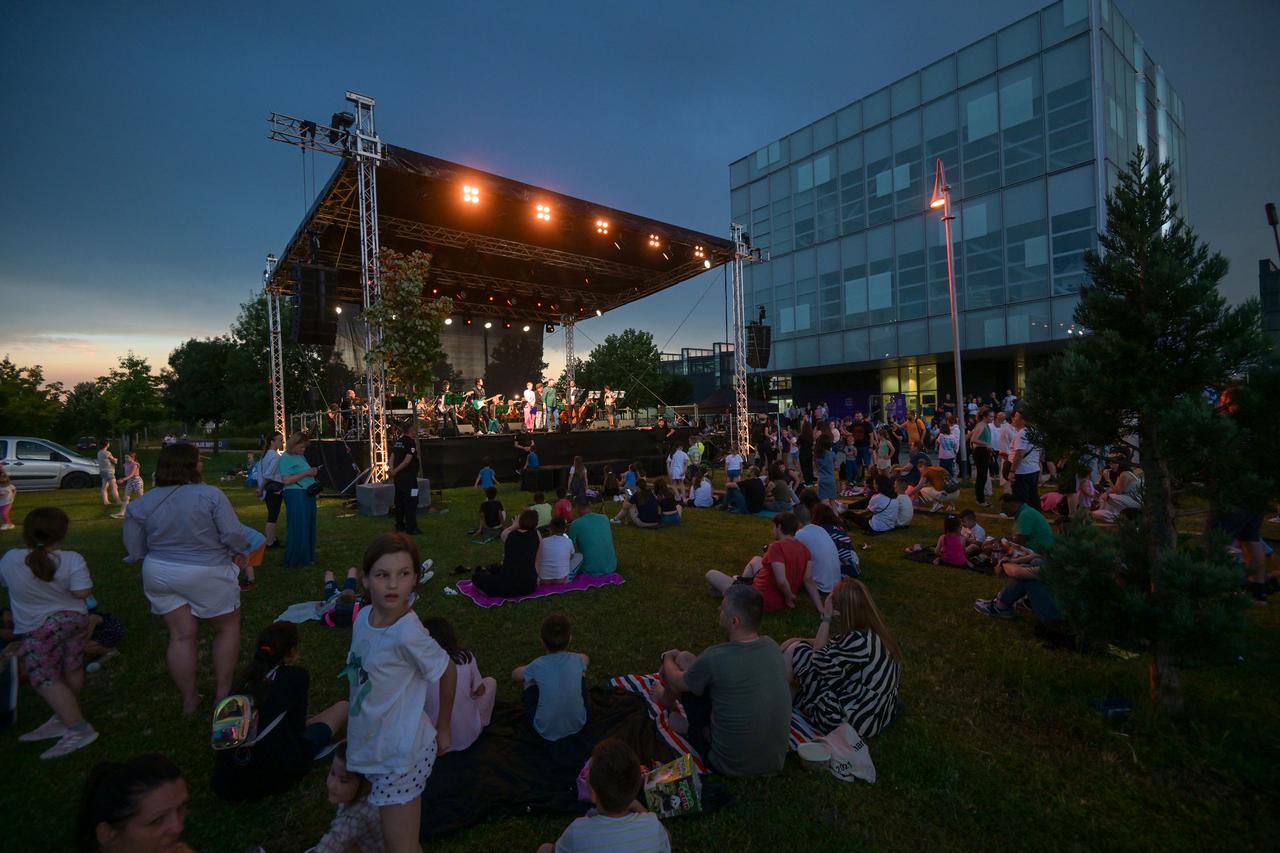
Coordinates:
566 321
279 418
739 431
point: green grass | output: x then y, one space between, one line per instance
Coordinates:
998 749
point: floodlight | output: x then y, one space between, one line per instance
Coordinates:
550 328
470 194
699 252
448 321
602 226
654 242
526 327
544 213
707 263
599 313
488 325
337 309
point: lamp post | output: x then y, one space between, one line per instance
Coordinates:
941 200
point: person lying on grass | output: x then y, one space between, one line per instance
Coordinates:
779 575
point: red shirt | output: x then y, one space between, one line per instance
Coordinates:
563 509
794 556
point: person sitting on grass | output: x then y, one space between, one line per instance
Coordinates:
906 509
340 606
780 574
1026 555
592 537
630 479
516 574
487 477
974 535
669 509
279 758
563 507
555 685
611 488
950 547
881 514
701 494
618 821
557 562
780 496
826 518
641 508
735 700
822 549
1031 528
543 509
493 517
356 826
935 488
849 671
474 696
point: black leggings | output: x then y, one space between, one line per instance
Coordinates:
982 467
273 501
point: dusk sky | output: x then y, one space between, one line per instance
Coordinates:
141 192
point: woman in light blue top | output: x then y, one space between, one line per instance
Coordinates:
299 506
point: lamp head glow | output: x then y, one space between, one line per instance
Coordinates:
488 325
470 194
706 264
337 309
526 328
448 321
940 188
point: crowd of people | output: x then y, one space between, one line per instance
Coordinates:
416 691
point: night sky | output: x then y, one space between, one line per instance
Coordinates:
141 193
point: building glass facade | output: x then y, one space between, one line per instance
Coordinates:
1031 123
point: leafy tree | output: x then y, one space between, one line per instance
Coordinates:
515 360
1157 334
196 388
630 361
131 396
411 323
249 369
83 413
444 371
27 404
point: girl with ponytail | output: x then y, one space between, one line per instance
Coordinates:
47 589
283 755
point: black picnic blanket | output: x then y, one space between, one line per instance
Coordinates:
510 770
926 555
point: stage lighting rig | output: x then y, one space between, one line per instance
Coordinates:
654 242
602 227
550 328
339 124
470 194
544 213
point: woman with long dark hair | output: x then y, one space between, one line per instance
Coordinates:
270 486
139 804
805 443
192 548
281 756
982 439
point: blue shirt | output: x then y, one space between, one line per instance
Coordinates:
629 482
486 477
532 460
561 710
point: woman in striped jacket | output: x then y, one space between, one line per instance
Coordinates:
849 671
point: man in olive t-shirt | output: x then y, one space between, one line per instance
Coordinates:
734 694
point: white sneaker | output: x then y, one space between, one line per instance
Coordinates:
70 742
6 526
50 728
426 574
936 506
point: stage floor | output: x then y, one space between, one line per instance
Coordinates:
450 462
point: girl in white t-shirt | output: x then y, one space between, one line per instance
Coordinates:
556 561
47 589
702 494
390 738
733 466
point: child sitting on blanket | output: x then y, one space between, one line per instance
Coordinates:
474 696
356 826
557 561
618 822
563 507
543 509
972 532
950 548
555 685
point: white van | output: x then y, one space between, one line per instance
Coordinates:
36 463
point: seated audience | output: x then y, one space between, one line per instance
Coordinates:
822 551
473 697
848 673
936 487
1124 495
641 508
542 508
881 514
493 517
1022 566
780 574
737 706
906 508
950 548
611 487
555 685
825 517
593 539
557 562
138 804
516 574
563 507
701 493
780 496
669 508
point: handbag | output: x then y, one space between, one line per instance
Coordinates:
273 487
315 489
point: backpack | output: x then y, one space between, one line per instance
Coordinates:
235 722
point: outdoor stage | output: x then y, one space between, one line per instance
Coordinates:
450 462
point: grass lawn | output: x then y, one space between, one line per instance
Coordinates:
998 748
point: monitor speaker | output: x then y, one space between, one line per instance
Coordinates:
466 429
759 344
315 316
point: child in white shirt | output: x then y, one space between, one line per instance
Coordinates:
557 562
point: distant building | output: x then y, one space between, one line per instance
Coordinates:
1269 295
707 370
1032 124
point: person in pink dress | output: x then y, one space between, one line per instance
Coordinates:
473 701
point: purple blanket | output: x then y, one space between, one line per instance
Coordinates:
582 581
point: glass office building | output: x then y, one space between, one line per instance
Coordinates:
1031 124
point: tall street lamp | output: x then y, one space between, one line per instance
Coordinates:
941 200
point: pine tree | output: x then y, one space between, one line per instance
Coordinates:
1157 334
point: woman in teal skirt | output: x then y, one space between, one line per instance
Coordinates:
299 506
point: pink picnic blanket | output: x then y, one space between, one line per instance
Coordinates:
582 581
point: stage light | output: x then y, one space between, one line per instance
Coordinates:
470 194
544 213
337 309
435 291
599 313
491 298
526 327
706 264
602 226
699 252
466 322
448 321
506 325
654 242
488 325
550 328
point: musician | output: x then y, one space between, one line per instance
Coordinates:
610 399
540 419
530 403
550 403
349 405
404 474
475 406
571 395
446 409
335 416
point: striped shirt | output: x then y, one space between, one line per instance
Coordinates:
852 679
636 832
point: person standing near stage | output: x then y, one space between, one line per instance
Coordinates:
549 405
475 406
539 411
571 398
404 473
610 400
530 407
299 503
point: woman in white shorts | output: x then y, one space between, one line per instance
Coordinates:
192 546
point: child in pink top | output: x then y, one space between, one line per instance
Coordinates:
473 701
950 548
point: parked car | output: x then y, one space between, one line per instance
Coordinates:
37 463
87 444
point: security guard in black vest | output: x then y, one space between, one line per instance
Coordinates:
404 473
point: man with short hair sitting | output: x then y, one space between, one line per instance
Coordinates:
736 701
592 536
785 568
1031 541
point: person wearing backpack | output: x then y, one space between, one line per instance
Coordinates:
283 741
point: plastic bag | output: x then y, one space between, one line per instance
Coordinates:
850 757
674 788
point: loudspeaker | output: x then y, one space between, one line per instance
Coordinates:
626 423
759 344
466 429
315 318
514 426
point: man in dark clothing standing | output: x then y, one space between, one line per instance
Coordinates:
404 473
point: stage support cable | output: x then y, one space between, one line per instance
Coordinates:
276 347
566 321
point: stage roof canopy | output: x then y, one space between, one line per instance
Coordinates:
500 248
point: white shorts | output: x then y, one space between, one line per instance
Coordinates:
209 590
393 789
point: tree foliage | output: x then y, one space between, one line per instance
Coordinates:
631 361
1157 334
515 360
411 323
28 406
249 369
131 397
196 386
